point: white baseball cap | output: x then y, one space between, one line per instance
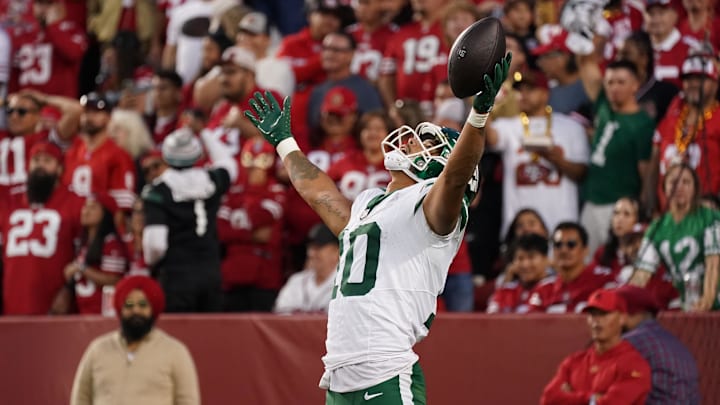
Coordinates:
240 57
254 23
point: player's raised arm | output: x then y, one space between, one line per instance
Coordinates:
315 187
443 203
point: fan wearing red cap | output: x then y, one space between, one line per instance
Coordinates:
360 170
250 227
148 350
40 227
675 374
331 143
102 259
609 372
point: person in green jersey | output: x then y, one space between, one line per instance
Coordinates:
686 240
620 146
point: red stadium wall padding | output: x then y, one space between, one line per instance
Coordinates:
265 359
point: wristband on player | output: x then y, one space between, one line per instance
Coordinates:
287 146
476 119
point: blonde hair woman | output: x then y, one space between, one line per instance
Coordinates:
128 129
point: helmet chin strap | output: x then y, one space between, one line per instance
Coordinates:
396 160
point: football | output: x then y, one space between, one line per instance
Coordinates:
475 53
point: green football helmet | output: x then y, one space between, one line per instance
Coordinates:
436 145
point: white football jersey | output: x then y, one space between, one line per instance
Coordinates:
392 268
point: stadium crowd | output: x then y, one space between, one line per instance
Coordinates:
598 168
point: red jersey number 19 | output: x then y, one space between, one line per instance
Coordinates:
420 54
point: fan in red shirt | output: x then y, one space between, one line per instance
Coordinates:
48 57
575 281
372 35
700 23
238 85
534 280
40 228
415 60
611 371
623 17
102 259
250 223
303 50
23 113
360 170
95 163
338 116
685 136
670 47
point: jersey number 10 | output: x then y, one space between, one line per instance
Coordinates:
372 255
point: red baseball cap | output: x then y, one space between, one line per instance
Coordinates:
47 148
638 299
556 44
339 100
606 300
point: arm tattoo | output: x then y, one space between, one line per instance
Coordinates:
300 168
328 204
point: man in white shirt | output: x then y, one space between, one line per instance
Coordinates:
271 73
545 154
311 289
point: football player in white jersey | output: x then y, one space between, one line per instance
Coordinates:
396 245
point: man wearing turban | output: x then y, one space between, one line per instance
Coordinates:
138 364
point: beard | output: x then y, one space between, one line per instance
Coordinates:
136 327
40 186
91 129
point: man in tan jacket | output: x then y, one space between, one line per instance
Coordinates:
138 364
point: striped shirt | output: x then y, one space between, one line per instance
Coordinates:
675 377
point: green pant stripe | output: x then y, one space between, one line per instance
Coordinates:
418 385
